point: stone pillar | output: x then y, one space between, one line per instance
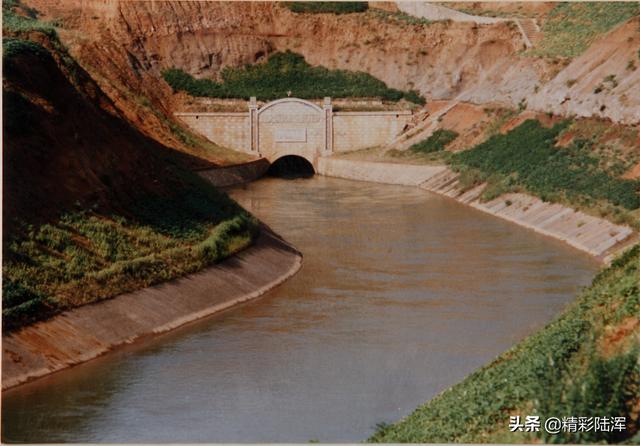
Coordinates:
328 127
253 125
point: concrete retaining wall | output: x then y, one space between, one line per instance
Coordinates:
87 332
238 174
292 126
387 173
596 236
225 129
361 130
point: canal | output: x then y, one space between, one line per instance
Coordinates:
402 294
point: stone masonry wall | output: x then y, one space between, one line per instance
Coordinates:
361 130
293 126
229 130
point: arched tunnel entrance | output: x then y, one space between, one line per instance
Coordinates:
291 166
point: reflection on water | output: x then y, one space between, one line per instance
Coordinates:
402 293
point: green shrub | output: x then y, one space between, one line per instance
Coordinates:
21 305
436 142
326 7
15 47
528 153
470 178
284 72
605 388
496 185
24 23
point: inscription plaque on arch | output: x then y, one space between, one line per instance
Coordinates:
290 135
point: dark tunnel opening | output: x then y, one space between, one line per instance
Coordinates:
290 167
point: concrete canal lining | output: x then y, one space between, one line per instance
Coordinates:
89 331
596 236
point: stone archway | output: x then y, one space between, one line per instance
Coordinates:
291 166
291 126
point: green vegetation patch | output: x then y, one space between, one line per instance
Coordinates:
436 142
86 256
16 47
573 367
572 26
326 7
24 22
283 73
529 156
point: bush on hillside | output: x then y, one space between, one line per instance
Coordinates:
285 72
326 7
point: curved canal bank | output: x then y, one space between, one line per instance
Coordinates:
89 331
402 294
37 351
595 236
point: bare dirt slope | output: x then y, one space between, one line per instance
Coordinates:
65 142
125 42
126 45
603 81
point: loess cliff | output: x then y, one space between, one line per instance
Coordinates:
126 45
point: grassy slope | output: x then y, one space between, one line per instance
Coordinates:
585 363
571 27
88 255
285 72
112 211
585 174
436 142
527 156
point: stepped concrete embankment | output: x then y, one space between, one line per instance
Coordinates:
596 236
89 331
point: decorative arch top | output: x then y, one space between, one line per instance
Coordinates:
286 100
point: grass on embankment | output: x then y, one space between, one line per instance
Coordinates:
585 363
572 26
283 73
436 142
527 159
86 256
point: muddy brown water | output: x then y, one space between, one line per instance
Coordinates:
401 295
